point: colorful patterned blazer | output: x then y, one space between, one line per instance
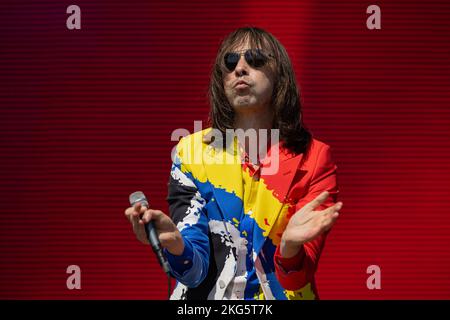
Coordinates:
232 223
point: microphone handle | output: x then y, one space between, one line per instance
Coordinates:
156 246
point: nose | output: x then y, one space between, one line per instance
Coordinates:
242 67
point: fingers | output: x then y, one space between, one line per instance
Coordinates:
305 214
139 209
330 215
147 216
128 212
334 208
302 216
306 225
317 201
329 221
151 214
134 213
140 214
157 215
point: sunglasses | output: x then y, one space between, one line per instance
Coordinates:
255 58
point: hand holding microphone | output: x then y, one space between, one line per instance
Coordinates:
155 228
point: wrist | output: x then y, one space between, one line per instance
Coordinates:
176 247
289 249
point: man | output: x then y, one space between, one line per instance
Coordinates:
239 229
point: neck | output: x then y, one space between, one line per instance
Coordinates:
255 121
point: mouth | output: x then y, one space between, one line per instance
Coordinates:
241 84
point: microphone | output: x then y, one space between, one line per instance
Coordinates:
139 197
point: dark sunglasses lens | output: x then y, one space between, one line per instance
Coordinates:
231 60
255 58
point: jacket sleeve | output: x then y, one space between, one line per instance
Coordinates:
187 210
295 272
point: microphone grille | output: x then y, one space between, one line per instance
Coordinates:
138 197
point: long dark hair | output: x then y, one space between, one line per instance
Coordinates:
285 99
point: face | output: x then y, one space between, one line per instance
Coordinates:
248 89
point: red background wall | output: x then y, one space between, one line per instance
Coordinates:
86 118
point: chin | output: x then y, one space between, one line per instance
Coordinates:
243 102
246 108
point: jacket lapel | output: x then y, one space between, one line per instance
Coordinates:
224 171
279 182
